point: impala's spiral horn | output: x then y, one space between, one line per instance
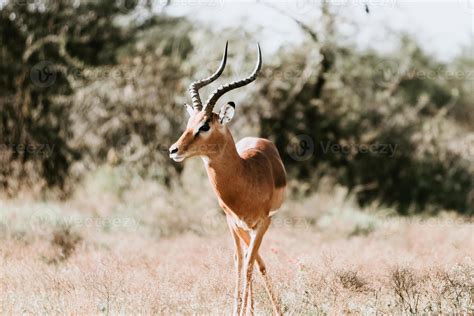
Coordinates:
219 92
196 85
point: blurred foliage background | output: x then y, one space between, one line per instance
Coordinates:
85 84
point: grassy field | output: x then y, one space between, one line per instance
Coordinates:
148 251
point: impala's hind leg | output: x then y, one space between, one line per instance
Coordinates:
268 285
251 300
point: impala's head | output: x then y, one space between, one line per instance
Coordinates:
205 129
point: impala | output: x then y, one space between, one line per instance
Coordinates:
248 178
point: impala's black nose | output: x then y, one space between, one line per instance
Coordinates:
173 149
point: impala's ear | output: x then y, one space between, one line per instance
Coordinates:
190 109
227 113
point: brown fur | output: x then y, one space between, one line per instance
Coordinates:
244 176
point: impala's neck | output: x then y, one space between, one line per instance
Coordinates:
224 167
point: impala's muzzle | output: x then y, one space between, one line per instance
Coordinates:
174 149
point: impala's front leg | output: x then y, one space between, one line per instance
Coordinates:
238 267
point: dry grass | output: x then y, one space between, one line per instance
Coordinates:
129 274
110 255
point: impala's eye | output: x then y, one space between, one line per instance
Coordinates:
205 127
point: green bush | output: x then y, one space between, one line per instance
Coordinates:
45 45
377 124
